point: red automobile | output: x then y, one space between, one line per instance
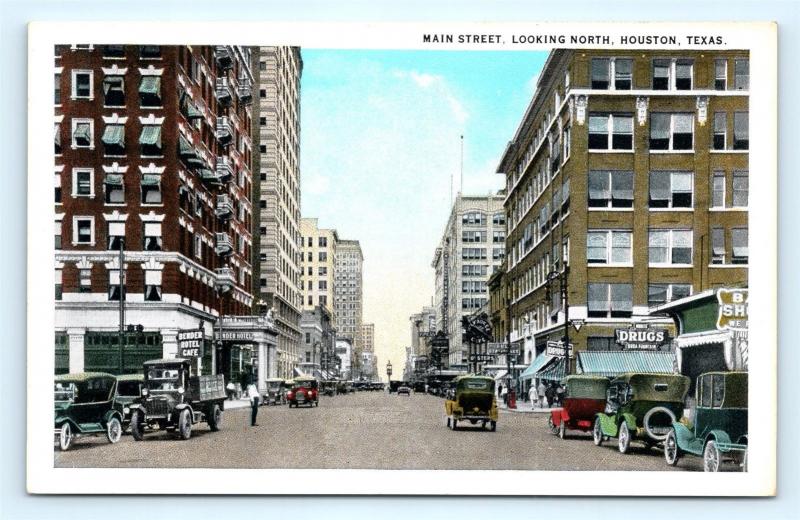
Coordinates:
584 397
305 391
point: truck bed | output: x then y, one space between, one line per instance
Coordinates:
207 387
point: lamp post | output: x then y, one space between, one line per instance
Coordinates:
389 371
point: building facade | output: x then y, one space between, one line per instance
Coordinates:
318 261
348 288
367 340
276 132
472 246
319 342
627 185
153 205
422 324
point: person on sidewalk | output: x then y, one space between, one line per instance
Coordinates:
532 395
505 394
541 390
252 393
231 389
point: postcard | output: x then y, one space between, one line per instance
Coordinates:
432 258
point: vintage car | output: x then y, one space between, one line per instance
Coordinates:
173 399
274 392
304 391
473 401
404 390
85 405
328 388
640 407
129 389
584 397
718 431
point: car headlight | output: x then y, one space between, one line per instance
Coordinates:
145 391
126 410
180 390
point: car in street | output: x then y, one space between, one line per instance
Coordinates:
640 407
85 405
473 400
404 390
305 391
274 393
718 431
174 400
584 397
129 389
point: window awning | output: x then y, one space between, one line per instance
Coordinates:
113 179
113 83
82 131
542 361
614 363
151 179
150 85
58 134
114 135
192 112
151 134
553 371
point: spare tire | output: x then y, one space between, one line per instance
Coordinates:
658 422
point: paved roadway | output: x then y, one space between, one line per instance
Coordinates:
371 430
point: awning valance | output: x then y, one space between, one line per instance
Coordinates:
614 363
149 179
113 179
541 361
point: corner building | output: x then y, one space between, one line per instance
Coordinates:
630 170
152 167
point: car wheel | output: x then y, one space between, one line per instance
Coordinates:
562 430
454 424
711 457
113 430
185 424
215 418
137 425
65 437
671 450
597 432
493 426
624 440
551 425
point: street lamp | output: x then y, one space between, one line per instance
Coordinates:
389 371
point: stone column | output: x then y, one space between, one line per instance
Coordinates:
76 343
169 343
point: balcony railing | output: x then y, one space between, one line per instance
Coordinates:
245 91
224 131
224 245
223 92
224 206
225 278
224 168
224 56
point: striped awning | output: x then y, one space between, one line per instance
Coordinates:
614 363
114 135
151 134
553 371
541 361
150 85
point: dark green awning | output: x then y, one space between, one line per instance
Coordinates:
113 179
192 112
185 148
205 173
82 131
114 135
553 371
151 134
113 83
150 85
614 363
151 179
541 361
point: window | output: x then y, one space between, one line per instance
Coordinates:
57 89
474 218
670 189
82 84
661 70
666 69
473 236
82 133
610 300
498 253
323 241
623 74
720 130
499 219
718 190
741 186
741 74
600 73
152 286
670 247
152 236
59 286
323 271
739 243
720 74
57 138
114 285
323 285
323 256
683 74
610 132
57 234
150 91
741 131
114 139
567 134
116 235
323 300
659 294
150 51
151 189
498 237
85 276
473 253
671 131
150 141
114 91
198 247
717 245
113 51
310 299
610 189
82 182
608 247
601 343
83 230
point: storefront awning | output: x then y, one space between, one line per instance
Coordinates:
553 371
501 375
612 364
541 361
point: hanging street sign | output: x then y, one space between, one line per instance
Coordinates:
480 358
190 343
556 348
732 309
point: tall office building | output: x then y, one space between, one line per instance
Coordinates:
318 257
472 245
348 304
368 337
276 131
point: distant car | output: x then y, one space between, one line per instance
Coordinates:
404 390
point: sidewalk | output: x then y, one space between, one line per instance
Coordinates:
522 407
237 403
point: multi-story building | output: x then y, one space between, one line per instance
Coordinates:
422 324
276 131
152 204
348 302
627 187
344 352
319 341
367 341
318 261
472 245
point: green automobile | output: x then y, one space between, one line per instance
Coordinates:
718 432
640 407
129 389
85 404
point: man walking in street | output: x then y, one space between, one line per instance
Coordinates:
252 393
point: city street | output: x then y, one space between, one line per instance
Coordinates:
372 430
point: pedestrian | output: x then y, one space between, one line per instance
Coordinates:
541 390
231 388
505 395
500 390
532 395
560 391
252 393
550 394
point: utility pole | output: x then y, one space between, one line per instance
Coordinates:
121 260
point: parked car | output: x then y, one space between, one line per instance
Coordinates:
584 397
174 400
640 407
473 401
328 388
304 391
274 393
718 431
404 390
129 389
85 405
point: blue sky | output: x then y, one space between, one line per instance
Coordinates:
379 143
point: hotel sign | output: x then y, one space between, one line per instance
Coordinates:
190 343
237 335
641 338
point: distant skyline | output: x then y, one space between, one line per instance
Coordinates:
380 144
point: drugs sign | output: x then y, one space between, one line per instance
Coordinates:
190 343
641 338
732 309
